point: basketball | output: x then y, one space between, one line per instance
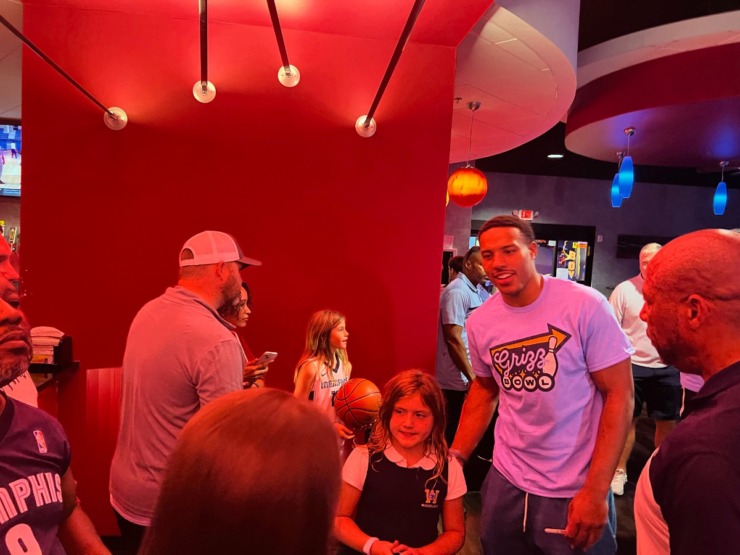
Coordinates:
357 402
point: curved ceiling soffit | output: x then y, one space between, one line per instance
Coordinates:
524 81
688 116
657 42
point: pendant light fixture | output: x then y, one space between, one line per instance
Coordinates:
468 185
626 169
203 90
720 193
615 192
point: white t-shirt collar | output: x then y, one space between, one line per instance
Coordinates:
427 462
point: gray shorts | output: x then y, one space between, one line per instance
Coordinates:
502 522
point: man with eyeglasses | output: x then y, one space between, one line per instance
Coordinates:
180 355
688 496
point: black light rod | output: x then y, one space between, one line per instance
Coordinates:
59 70
278 34
203 11
402 40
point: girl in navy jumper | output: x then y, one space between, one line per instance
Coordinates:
395 489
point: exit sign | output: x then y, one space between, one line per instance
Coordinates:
526 215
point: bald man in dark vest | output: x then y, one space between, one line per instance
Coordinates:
688 496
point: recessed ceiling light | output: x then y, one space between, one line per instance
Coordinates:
555 156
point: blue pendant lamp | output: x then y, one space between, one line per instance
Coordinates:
626 168
720 193
616 193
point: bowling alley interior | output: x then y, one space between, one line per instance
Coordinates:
352 148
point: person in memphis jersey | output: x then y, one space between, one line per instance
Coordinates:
38 503
553 355
21 388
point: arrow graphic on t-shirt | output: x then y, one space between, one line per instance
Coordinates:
530 363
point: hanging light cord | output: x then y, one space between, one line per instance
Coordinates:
473 107
58 69
470 142
620 155
629 132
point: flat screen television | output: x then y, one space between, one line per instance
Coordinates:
10 160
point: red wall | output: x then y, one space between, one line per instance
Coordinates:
339 221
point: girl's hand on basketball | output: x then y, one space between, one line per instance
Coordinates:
343 431
384 548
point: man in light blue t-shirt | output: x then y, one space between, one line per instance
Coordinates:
458 301
552 354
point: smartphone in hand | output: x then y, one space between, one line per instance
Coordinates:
266 358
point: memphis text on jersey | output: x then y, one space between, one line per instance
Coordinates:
40 489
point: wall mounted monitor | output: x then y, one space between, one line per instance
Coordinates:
10 160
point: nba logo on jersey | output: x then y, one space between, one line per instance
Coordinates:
40 441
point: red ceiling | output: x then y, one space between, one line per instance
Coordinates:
441 21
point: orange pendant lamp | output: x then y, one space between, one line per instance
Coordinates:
467 186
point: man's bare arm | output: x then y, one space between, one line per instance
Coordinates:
476 415
457 350
76 532
587 513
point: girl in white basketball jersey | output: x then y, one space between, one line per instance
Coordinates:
324 366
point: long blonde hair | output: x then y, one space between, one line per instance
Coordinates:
318 336
402 385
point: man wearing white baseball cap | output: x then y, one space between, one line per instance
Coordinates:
180 354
